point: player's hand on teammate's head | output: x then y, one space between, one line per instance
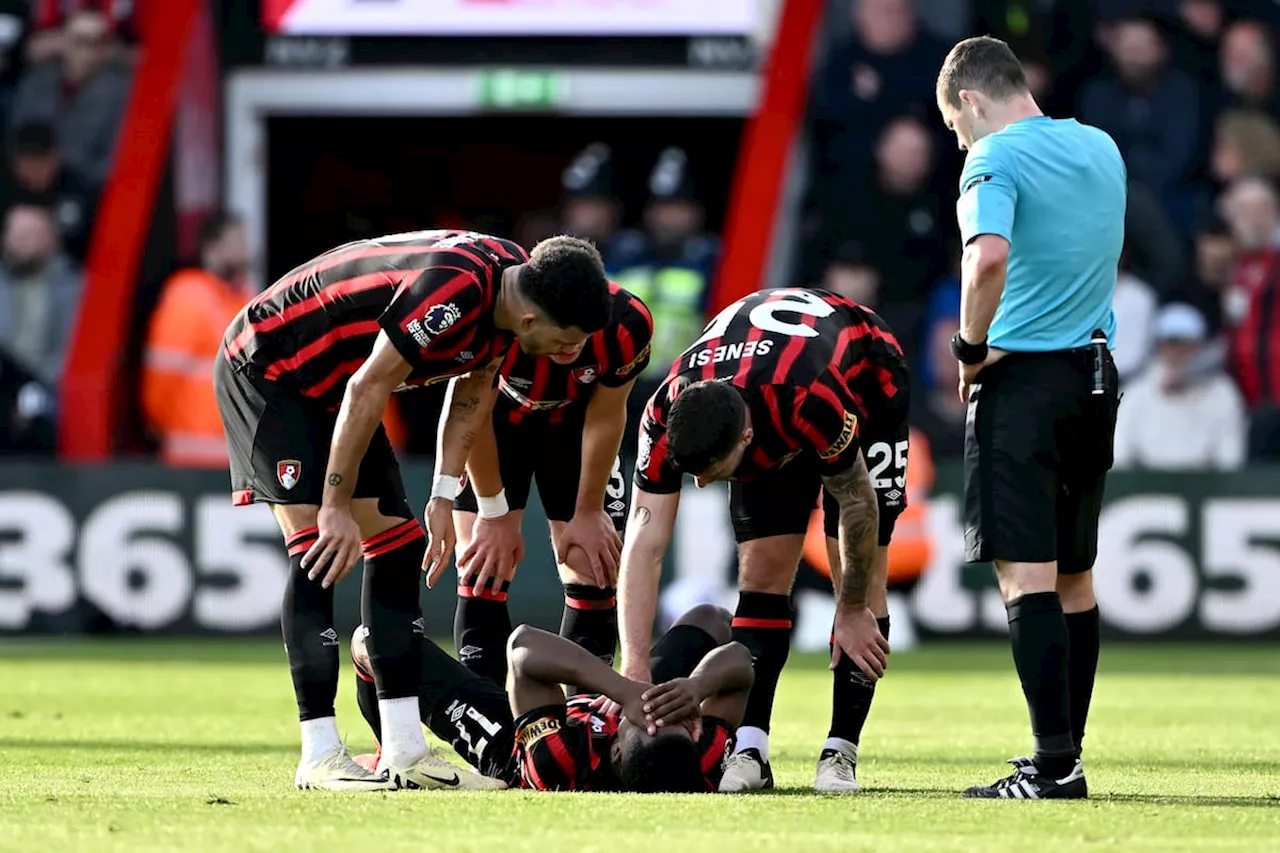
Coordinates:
591 538
633 708
671 702
335 551
496 548
441 539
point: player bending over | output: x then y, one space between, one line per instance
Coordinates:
302 383
670 737
789 393
558 420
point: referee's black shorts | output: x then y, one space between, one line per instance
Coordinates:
1037 448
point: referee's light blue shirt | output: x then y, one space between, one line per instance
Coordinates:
1056 190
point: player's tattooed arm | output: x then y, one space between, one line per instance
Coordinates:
859 529
468 407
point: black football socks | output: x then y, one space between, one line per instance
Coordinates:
591 620
481 626
310 639
389 608
763 623
1083 639
851 695
1038 635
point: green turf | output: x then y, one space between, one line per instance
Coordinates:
145 746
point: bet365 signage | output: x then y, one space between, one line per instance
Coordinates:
1178 555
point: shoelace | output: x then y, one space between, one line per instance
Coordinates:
843 767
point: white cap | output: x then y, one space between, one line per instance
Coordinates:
1180 322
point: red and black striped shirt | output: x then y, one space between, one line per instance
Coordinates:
568 748
1255 341
612 357
810 364
432 292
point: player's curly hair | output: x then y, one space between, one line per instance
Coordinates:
665 764
705 422
565 278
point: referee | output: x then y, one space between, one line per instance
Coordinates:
1041 213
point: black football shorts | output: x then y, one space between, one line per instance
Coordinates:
278 443
781 502
1036 454
550 454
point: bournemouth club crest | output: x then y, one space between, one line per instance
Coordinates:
288 471
585 375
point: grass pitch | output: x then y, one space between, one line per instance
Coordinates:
139 745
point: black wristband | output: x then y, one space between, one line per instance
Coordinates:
967 353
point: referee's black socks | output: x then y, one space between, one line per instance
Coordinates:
481 626
310 639
1083 636
591 620
763 623
1038 634
851 695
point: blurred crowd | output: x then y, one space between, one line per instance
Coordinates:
1190 92
65 72
1189 89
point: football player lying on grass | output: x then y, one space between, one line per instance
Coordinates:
671 736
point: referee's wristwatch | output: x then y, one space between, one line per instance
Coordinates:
967 353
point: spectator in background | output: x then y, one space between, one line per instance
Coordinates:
1134 304
49 17
887 67
1175 418
83 96
39 295
668 266
1196 46
1245 143
1248 67
13 38
901 221
1215 256
1153 112
1252 208
36 176
590 208
196 306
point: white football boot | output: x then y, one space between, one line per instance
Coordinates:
433 772
746 771
837 772
338 772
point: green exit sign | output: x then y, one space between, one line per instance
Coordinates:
522 89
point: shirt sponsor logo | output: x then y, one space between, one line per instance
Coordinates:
537 730
635 362
844 439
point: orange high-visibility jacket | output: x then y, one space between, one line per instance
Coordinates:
186 330
910 549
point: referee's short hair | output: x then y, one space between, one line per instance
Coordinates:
984 64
